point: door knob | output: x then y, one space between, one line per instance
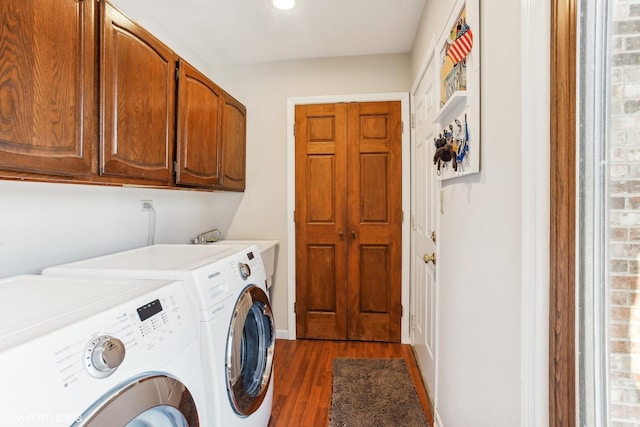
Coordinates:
427 258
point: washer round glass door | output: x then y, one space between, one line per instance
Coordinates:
160 416
250 346
157 400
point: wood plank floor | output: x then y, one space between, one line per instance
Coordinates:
302 377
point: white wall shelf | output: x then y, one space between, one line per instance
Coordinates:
463 104
453 107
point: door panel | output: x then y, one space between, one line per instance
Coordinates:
375 220
374 275
348 221
325 317
321 248
321 207
373 195
424 291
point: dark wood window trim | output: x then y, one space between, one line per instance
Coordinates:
562 309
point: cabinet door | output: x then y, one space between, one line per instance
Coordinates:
198 129
234 138
47 106
137 88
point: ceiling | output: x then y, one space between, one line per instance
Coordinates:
230 32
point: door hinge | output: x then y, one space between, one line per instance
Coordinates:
294 215
401 127
294 307
294 130
413 121
401 310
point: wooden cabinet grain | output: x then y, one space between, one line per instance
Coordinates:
88 95
199 118
47 96
137 89
234 131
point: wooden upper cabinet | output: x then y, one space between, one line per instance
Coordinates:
47 72
234 137
199 113
60 121
137 88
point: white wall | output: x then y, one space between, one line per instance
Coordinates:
493 255
45 224
480 302
264 89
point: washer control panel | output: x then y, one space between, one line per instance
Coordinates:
126 336
103 355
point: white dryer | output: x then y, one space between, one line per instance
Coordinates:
237 327
99 352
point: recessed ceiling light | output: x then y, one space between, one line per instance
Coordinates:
284 4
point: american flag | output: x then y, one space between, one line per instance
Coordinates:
461 47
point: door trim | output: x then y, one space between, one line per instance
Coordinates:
403 97
535 208
562 304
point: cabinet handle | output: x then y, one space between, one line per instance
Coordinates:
353 234
340 234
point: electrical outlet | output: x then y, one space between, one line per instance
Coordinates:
146 205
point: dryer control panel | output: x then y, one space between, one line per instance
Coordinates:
246 264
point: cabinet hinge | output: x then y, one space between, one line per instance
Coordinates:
294 216
294 307
177 70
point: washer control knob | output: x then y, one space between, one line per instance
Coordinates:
245 270
103 355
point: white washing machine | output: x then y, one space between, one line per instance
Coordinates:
98 352
236 323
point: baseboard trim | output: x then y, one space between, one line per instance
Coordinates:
282 334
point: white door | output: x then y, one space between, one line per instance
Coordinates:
423 230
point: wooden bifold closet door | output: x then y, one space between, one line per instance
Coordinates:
348 219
